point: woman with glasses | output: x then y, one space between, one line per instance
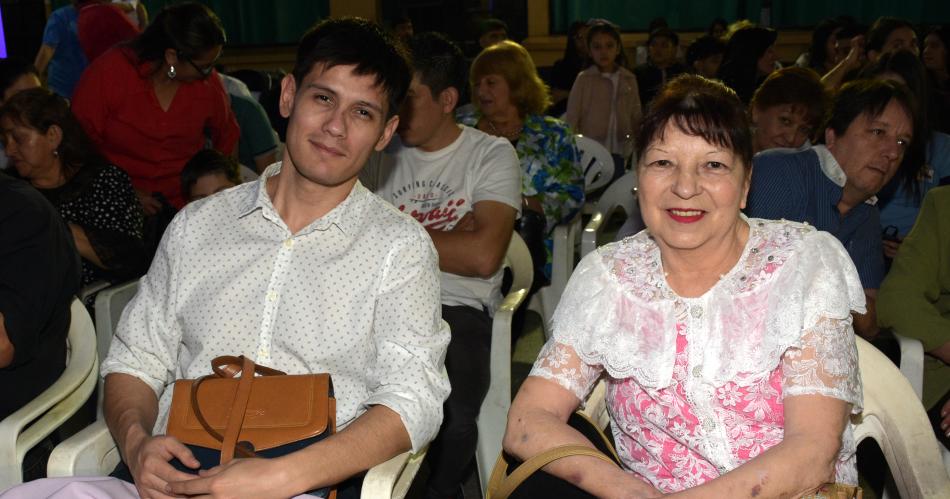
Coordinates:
151 104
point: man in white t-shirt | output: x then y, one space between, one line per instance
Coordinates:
464 186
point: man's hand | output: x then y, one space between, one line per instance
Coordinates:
251 478
945 418
148 459
891 247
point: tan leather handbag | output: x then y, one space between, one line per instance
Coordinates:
219 416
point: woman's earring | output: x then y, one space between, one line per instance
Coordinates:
56 153
171 72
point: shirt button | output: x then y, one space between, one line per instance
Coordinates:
288 243
696 311
271 296
698 371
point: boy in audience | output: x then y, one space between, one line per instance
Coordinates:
208 172
464 187
661 65
704 56
832 186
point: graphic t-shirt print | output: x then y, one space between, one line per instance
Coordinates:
434 204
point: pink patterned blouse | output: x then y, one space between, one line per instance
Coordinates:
695 386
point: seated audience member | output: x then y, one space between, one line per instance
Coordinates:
717 28
936 58
14 76
565 70
750 58
509 98
724 342
914 301
661 65
899 202
257 147
49 149
822 54
60 56
208 172
401 28
491 31
704 56
39 275
150 105
605 101
870 127
103 25
787 109
887 34
464 186
351 289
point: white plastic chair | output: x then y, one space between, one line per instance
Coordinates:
598 166
565 238
620 195
895 419
22 430
493 414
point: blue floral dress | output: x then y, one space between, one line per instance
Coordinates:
549 162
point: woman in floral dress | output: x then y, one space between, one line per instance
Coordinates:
725 342
509 99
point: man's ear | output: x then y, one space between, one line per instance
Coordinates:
388 132
288 91
448 99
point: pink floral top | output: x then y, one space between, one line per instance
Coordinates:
695 386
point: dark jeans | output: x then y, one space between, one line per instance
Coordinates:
467 363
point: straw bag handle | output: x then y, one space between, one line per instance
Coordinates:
227 366
501 486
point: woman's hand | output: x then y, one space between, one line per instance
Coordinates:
150 204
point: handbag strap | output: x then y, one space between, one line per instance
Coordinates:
501 486
227 366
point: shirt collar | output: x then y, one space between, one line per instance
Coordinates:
344 215
832 170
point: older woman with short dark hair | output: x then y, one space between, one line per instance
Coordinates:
787 109
725 342
49 149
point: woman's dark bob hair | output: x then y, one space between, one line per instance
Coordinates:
40 109
189 28
702 108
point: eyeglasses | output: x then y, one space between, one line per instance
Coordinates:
206 71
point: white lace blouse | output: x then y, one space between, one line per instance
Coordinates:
696 385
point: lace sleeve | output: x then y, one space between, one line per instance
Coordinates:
559 363
826 363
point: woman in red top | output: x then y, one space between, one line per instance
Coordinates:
150 105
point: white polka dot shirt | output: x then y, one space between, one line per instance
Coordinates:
354 294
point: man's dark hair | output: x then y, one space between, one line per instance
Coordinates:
882 28
11 70
351 41
664 33
189 28
703 47
699 107
872 97
438 61
208 162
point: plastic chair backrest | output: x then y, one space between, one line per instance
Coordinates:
596 163
110 303
894 417
25 428
493 414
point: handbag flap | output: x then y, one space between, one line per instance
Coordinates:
281 409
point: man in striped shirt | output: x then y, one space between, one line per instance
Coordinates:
833 185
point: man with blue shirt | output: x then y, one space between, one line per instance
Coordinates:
833 185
